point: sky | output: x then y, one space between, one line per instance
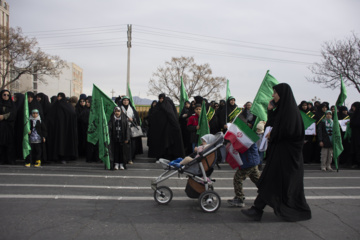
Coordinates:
239 39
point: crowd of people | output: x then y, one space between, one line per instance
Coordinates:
59 129
58 132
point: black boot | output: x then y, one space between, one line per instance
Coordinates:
253 213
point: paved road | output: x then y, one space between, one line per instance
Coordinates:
83 201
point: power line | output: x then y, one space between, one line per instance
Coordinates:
205 36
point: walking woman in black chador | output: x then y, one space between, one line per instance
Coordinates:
7 121
281 185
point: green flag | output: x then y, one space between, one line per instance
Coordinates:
203 123
96 111
25 143
336 139
104 139
131 98
183 95
262 98
341 99
307 120
228 93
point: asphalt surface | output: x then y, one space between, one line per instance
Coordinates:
81 200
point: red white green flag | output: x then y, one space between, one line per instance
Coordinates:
233 157
240 135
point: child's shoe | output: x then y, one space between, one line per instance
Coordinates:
37 163
27 165
122 166
116 167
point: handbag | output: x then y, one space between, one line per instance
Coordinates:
136 131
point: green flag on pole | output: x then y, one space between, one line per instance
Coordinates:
343 94
96 111
104 139
263 96
336 139
228 93
203 123
307 120
25 143
183 95
130 97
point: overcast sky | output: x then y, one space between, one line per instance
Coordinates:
240 39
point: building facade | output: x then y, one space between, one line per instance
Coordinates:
69 82
4 22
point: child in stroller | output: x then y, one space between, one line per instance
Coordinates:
198 168
205 141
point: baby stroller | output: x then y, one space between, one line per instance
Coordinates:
198 171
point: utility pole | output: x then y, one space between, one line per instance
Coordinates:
112 93
128 60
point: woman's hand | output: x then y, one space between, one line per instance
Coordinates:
270 106
321 144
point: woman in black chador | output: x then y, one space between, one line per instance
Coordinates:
281 185
7 134
164 136
61 123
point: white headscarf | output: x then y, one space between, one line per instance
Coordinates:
208 138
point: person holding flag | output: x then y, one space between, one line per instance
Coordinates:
119 135
250 159
281 184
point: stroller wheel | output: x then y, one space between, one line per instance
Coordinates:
163 195
209 201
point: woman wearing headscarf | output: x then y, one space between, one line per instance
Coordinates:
7 121
247 116
43 99
164 136
19 124
34 104
281 185
308 144
355 135
145 124
183 119
62 142
133 118
228 113
344 157
92 151
82 130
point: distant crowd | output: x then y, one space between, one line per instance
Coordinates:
59 127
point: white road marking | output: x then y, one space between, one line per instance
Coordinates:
148 187
128 198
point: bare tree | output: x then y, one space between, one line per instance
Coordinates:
20 55
339 57
198 79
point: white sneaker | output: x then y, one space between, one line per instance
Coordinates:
116 167
122 166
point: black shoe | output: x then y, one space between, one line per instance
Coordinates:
253 213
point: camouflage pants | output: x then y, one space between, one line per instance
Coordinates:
240 175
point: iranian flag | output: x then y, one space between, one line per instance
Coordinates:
240 135
233 157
